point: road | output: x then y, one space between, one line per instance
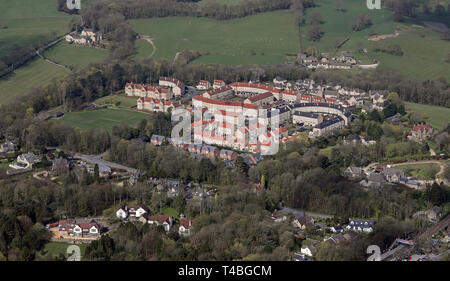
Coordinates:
440 163
304 213
98 159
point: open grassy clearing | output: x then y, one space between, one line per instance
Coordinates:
25 22
120 101
38 72
421 46
261 39
75 55
424 53
336 24
170 211
144 49
57 248
105 118
34 74
226 2
421 171
437 115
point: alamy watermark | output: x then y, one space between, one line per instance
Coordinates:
74 253
246 130
73 4
374 4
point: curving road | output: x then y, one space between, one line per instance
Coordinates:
440 163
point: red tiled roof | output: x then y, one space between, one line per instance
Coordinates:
173 80
290 92
219 90
260 97
256 86
186 223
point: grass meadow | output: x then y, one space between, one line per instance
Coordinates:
75 55
34 74
422 46
105 118
265 38
436 115
24 22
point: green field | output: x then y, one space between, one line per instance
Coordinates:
437 115
121 100
105 118
421 171
144 49
269 35
424 53
56 248
421 46
226 2
75 55
34 74
336 25
24 22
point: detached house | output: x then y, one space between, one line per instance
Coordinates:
79 228
126 211
353 172
303 222
164 220
8 146
25 161
393 175
421 132
185 227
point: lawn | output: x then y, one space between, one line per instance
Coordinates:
437 115
170 211
56 248
105 118
75 55
35 73
421 171
265 38
119 101
26 22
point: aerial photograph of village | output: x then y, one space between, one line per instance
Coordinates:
225 131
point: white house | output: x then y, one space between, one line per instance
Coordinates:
203 85
126 211
164 220
185 227
361 225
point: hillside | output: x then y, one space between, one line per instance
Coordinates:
26 22
269 36
420 44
